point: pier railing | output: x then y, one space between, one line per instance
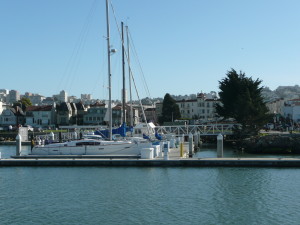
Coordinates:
208 129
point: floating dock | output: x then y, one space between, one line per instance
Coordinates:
174 160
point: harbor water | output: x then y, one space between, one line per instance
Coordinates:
98 195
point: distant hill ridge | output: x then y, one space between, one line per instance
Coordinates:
285 92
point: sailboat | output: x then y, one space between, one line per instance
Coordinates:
93 146
142 130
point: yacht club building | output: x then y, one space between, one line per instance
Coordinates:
202 108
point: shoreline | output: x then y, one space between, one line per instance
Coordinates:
273 144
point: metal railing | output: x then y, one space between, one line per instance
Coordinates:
208 129
64 136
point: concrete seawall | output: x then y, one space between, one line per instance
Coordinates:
212 162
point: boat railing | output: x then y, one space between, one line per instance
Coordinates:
58 136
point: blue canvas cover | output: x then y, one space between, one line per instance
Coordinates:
120 130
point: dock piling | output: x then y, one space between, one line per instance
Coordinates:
181 149
220 146
166 150
51 136
190 145
19 144
196 141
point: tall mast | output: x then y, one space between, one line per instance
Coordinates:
123 69
129 72
109 72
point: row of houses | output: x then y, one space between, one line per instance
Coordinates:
54 115
69 113
64 114
203 109
286 108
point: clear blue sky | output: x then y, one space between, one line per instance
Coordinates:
184 47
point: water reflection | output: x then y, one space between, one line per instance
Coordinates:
9 150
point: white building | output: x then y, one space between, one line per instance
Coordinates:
36 99
188 108
61 97
3 95
7 118
291 109
203 108
73 99
86 96
4 91
40 116
13 96
276 106
12 116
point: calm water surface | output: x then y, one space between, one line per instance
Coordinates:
92 195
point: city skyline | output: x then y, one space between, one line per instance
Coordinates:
182 47
286 92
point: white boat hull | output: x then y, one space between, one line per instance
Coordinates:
99 148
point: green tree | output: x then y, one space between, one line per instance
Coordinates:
241 99
170 110
23 103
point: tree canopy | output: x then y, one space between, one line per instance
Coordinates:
23 103
170 110
241 99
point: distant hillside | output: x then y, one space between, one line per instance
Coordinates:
285 92
289 92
